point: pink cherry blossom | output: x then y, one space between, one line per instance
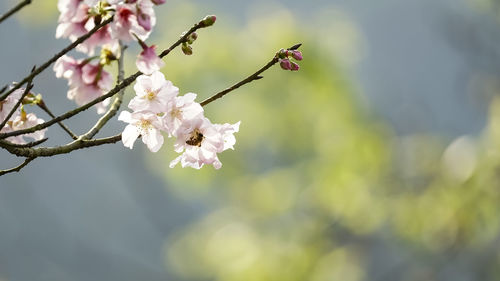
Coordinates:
181 110
146 14
24 121
148 62
8 103
201 143
125 24
153 93
87 81
145 124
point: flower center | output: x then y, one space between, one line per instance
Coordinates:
196 138
151 95
176 113
144 126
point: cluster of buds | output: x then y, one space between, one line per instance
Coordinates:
285 57
186 45
157 107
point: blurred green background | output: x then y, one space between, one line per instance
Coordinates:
378 160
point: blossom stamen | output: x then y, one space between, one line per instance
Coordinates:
196 138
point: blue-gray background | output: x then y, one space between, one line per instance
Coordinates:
101 214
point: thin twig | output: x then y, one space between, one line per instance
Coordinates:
14 10
127 81
18 103
116 103
253 77
55 57
44 107
18 168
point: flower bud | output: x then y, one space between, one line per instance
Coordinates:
191 38
294 66
282 54
286 64
186 49
296 54
208 21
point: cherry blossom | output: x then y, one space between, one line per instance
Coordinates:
148 62
87 81
145 124
152 93
202 141
181 110
8 103
24 121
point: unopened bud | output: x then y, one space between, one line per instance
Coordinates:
294 66
186 49
208 21
296 54
282 54
191 38
286 64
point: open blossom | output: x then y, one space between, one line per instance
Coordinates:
130 17
145 124
87 81
201 141
8 103
152 93
148 62
146 14
181 110
24 121
126 23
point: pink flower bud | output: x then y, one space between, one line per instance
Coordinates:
286 64
208 21
296 54
294 66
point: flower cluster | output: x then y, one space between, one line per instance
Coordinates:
286 55
157 107
130 17
20 119
132 20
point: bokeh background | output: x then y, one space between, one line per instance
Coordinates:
378 160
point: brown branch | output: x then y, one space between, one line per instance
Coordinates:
253 77
18 168
127 81
55 57
44 107
15 9
51 151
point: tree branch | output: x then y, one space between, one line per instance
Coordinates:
51 151
14 10
55 57
44 107
253 77
18 168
